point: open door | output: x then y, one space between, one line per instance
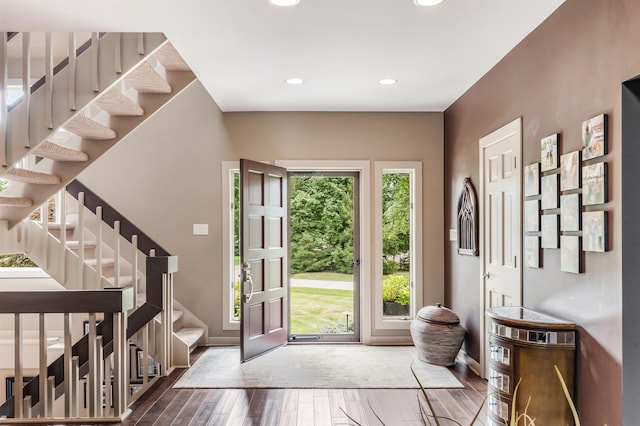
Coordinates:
263 252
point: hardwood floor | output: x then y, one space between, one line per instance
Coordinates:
164 405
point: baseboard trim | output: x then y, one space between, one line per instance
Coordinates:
223 341
465 359
389 341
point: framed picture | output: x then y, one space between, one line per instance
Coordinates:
570 213
153 367
594 231
550 192
549 152
532 179
549 224
570 254
104 394
532 251
134 388
532 216
594 137
594 181
9 383
570 171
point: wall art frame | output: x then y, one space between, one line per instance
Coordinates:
594 137
467 220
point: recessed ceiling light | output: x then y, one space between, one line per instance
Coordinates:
284 3
427 2
294 81
387 81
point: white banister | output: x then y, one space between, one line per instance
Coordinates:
120 373
99 246
17 383
44 217
145 353
116 253
69 383
95 85
26 407
117 51
152 253
4 111
71 50
48 82
81 237
42 374
134 269
26 85
108 372
166 326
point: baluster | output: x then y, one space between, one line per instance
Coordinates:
99 246
120 376
94 62
48 81
166 325
116 254
71 50
141 43
26 407
152 253
81 237
43 366
69 383
75 380
134 269
26 85
51 395
4 111
117 51
17 384
145 353
108 384
44 217
63 232
92 378
101 384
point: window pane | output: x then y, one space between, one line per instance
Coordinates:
236 247
396 244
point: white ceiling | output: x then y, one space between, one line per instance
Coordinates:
243 50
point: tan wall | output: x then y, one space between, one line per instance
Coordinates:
568 70
167 176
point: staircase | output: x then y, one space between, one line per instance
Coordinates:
43 148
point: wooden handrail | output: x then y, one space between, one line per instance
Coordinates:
108 300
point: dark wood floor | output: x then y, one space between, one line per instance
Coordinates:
164 405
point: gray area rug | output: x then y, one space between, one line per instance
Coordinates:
317 366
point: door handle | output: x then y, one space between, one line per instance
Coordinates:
246 277
486 275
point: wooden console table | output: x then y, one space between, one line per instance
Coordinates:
525 345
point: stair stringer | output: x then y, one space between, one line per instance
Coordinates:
11 240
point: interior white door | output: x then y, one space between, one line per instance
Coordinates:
501 248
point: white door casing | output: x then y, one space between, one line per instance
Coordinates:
500 224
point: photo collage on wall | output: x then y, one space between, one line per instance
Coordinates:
564 198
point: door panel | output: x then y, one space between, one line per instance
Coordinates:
263 313
501 183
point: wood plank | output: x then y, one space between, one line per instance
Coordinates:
321 408
190 407
305 414
240 408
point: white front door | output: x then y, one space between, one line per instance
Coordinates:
501 230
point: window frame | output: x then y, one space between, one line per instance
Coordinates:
414 169
228 170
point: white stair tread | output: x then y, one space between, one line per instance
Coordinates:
106 261
56 152
190 335
29 176
170 59
74 245
123 280
57 226
145 79
116 103
177 315
85 127
15 202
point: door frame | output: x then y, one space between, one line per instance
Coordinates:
366 265
509 129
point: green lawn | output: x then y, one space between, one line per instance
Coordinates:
323 276
315 308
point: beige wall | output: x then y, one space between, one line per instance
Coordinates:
166 176
568 70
